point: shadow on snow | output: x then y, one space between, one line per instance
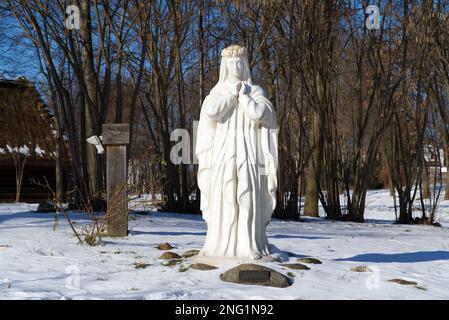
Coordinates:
406 257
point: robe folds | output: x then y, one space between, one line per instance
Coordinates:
237 155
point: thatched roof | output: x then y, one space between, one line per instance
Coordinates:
26 126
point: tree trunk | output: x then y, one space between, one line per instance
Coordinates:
58 170
196 205
181 101
94 169
20 166
426 182
312 171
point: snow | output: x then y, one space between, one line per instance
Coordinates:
40 152
11 149
24 150
39 263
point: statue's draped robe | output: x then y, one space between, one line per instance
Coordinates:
237 153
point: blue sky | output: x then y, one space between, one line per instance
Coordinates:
16 57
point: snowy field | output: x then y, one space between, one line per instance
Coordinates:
39 263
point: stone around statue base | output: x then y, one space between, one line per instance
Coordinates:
255 274
46 207
202 266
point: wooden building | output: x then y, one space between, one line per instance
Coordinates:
435 163
27 143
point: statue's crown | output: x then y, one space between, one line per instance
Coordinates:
234 51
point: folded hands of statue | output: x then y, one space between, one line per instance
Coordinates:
239 89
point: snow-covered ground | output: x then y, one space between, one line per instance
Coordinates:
39 263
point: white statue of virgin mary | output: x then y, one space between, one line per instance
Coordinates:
237 153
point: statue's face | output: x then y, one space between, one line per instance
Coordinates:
235 67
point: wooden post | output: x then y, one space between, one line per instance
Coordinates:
116 138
